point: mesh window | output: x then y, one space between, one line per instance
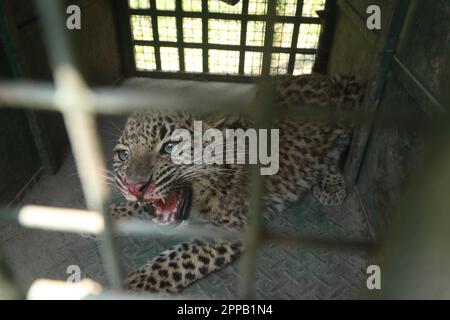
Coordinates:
286 7
311 6
192 5
223 37
145 58
169 59
258 7
165 5
253 63
308 37
142 28
303 64
255 33
167 29
279 63
282 36
139 4
193 59
224 31
223 61
192 30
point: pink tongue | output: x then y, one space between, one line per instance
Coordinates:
169 205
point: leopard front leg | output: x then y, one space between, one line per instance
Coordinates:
182 265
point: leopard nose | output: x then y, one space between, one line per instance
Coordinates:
137 189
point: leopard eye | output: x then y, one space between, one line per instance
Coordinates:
123 154
167 147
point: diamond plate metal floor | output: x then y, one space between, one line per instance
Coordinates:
287 272
282 272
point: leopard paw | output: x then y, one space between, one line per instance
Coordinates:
331 190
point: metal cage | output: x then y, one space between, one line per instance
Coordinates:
79 105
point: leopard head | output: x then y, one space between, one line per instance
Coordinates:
144 170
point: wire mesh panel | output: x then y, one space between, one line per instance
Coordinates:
283 35
223 61
303 64
222 30
139 4
193 60
286 7
141 27
145 58
167 29
308 37
279 63
253 62
192 30
310 7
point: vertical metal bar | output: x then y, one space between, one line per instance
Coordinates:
268 39
373 99
156 45
243 36
205 36
292 54
124 37
72 97
328 18
262 118
179 21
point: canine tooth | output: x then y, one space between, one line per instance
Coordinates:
163 201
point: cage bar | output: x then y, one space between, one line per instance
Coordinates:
72 97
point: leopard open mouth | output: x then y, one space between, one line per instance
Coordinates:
173 208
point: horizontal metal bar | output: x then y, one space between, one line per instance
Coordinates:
226 16
85 221
86 289
217 46
196 97
198 76
56 219
184 230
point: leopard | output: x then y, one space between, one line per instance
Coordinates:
162 192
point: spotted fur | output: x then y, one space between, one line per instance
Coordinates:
309 157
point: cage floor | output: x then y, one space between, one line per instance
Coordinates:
283 272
